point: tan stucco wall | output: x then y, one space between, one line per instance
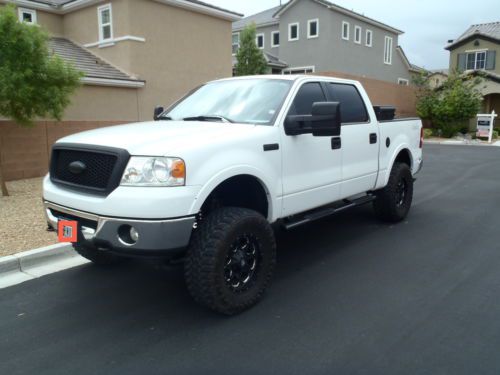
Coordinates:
183 49
99 103
483 44
82 26
51 22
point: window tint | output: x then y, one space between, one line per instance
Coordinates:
308 94
352 107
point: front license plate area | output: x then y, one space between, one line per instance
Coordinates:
67 231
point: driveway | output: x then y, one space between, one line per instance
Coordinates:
351 296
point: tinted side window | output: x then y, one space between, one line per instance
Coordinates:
308 94
352 107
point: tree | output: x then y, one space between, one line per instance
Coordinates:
33 82
250 59
450 106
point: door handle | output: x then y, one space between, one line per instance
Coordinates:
373 138
336 143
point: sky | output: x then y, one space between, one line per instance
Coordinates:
428 24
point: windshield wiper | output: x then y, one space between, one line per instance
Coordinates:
164 118
209 118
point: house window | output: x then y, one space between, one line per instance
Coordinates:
301 70
236 43
105 22
275 39
260 41
388 50
345 30
293 32
312 29
369 38
476 60
357 34
27 16
403 82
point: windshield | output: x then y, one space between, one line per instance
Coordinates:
248 101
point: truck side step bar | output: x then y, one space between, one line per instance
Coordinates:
326 211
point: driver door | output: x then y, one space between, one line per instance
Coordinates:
312 166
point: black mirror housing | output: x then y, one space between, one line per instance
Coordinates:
324 121
157 112
327 120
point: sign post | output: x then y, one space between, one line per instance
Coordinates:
485 125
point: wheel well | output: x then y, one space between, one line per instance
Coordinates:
404 156
240 191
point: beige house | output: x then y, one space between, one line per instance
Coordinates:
135 54
437 78
476 51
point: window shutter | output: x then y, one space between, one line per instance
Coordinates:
490 60
462 62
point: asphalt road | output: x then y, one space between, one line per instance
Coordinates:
351 296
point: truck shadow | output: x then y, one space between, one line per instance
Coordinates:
161 291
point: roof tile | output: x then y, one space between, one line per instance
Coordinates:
85 61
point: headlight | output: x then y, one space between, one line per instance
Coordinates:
154 171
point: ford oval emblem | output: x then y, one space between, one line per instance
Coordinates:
77 167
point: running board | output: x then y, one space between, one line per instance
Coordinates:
323 212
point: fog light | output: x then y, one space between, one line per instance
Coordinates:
128 235
134 234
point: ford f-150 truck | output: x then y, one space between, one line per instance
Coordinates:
205 181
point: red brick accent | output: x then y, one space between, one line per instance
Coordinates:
385 93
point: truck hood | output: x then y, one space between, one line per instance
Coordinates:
165 138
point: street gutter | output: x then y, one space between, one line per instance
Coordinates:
32 264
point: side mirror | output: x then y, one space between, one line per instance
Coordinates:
327 120
157 112
324 121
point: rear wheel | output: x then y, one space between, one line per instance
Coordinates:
230 260
394 201
96 256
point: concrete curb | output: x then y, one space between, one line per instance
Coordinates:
32 264
461 143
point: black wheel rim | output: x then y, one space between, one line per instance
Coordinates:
242 262
401 192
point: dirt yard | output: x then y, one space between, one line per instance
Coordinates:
22 221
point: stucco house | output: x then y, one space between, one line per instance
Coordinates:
476 51
437 77
315 36
135 54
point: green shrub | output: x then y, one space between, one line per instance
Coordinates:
495 134
449 129
428 133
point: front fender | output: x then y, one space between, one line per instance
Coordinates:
234 171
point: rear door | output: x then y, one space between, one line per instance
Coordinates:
360 140
311 165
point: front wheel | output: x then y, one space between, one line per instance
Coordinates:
230 260
393 203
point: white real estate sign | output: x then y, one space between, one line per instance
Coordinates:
485 124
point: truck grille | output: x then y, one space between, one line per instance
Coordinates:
92 169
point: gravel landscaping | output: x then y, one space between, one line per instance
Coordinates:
22 221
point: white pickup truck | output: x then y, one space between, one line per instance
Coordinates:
204 182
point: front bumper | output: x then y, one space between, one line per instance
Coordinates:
156 237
